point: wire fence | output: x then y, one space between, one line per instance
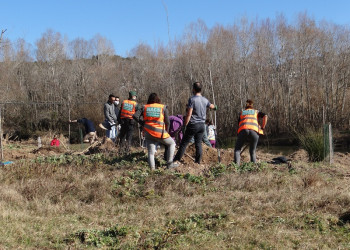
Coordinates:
25 118
328 143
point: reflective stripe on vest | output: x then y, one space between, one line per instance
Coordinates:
249 120
153 116
127 109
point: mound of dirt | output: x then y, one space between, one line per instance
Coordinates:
48 150
300 155
107 145
209 155
341 158
15 155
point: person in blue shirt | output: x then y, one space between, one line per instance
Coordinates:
90 131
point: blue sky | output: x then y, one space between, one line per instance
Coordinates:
128 22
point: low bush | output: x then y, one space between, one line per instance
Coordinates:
313 142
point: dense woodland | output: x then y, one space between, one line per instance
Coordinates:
297 72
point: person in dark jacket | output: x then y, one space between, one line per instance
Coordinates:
90 131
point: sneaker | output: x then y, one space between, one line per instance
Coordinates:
173 165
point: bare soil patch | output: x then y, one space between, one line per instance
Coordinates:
28 150
49 150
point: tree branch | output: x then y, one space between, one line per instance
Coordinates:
2 33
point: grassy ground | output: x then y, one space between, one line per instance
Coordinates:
106 201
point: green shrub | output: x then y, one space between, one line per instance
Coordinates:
313 142
99 238
249 167
176 229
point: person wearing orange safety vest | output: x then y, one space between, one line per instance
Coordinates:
155 122
125 119
249 131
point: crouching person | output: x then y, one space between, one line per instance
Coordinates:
155 122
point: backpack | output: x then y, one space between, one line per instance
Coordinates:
176 123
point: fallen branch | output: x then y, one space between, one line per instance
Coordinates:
2 33
64 145
87 149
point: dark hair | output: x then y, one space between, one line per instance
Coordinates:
153 98
197 86
117 97
110 96
249 104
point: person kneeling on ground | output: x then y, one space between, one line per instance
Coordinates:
156 123
249 130
55 142
175 131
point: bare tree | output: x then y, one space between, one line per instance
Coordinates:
291 70
1 35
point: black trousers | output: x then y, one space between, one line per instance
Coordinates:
126 131
195 130
246 135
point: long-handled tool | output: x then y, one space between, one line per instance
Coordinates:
186 154
244 148
215 130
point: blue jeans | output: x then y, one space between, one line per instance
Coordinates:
112 133
195 130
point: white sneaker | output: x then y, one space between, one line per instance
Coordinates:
173 165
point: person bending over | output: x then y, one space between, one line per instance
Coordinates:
249 130
155 123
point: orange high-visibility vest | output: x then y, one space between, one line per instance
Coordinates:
127 109
153 116
249 120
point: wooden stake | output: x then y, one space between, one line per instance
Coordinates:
216 134
69 123
330 139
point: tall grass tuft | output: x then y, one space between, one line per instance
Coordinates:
313 142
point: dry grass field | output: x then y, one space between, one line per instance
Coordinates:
105 200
